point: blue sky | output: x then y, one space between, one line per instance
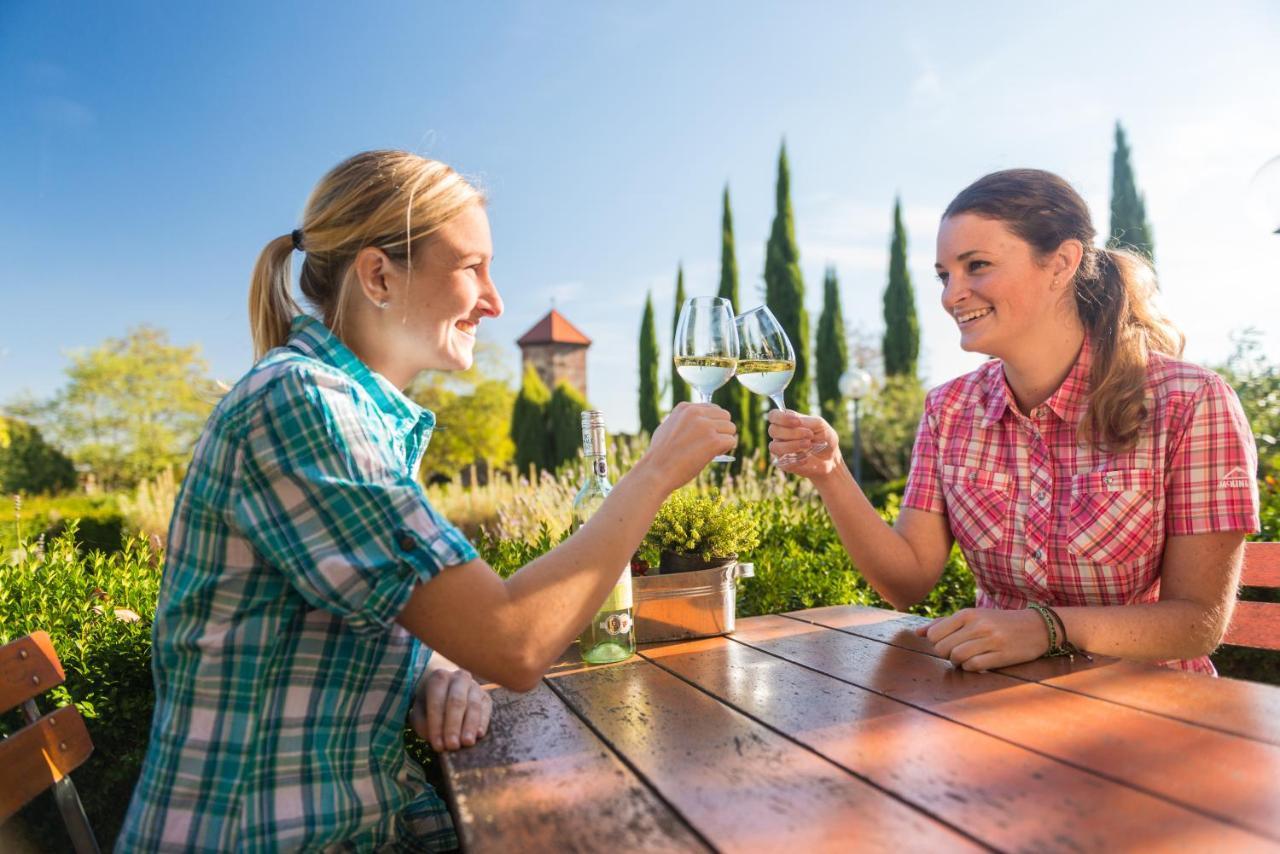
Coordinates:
150 151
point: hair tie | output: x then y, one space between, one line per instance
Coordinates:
297 240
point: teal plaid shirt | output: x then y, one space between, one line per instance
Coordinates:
282 679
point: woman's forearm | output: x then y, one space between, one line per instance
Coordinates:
1158 631
883 554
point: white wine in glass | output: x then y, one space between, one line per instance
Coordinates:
766 364
706 348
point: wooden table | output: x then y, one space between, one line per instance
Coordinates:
836 729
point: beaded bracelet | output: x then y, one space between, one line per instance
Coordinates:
1052 622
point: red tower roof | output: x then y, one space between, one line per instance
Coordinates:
554 329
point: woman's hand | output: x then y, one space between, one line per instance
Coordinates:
792 433
986 638
687 439
450 710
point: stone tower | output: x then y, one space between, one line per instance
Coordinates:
558 351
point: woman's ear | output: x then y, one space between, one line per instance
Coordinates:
372 269
1067 259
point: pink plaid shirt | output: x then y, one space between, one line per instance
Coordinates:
1042 519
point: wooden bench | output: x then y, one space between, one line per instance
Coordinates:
45 751
1257 624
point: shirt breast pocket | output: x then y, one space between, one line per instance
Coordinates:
1112 516
978 505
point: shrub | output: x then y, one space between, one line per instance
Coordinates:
703 524
74 596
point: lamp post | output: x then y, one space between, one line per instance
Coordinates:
854 385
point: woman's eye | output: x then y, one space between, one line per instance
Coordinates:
975 265
941 277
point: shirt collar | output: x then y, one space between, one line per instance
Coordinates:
312 338
1068 402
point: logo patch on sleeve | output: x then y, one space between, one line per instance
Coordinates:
1237 478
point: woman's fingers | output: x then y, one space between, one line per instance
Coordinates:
476 722
434 699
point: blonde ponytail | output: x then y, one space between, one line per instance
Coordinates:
271 304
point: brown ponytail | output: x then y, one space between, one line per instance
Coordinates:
1114 294
1115 297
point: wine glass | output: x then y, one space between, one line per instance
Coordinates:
766 363
706 347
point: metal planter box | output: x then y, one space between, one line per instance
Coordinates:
682 605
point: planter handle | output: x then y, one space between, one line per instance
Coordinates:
744 570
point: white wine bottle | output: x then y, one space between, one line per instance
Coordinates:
611 635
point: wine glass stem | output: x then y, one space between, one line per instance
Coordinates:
778 402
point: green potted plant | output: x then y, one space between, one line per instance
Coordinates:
695 531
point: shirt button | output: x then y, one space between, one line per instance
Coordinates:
1038 554
406 542
1042 497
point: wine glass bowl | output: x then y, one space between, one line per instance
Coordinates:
766 364
705 349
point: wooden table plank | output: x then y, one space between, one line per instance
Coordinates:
1006 796
542 781
743 786
1247 709
1204 770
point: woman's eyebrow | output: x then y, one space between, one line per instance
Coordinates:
937 265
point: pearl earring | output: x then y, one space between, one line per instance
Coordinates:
384 303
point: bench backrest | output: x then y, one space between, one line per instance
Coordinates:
1257 624
45 751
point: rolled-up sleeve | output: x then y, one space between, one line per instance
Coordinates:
327 501
1211 482
924 481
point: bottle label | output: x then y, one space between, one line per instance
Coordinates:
616 624
599 467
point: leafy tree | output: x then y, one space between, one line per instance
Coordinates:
733 396
28 464
889 420
649 414
529 422
1129 226
679 388
784 286
834 348
474 409
564 419
901 328
132 407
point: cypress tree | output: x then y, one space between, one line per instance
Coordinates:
529 422
733 396
784 286
649 416
901 328
1129 226
679 388
833 347
564 423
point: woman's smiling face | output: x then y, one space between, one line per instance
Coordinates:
999 294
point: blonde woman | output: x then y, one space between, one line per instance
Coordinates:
1100 488
308 580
